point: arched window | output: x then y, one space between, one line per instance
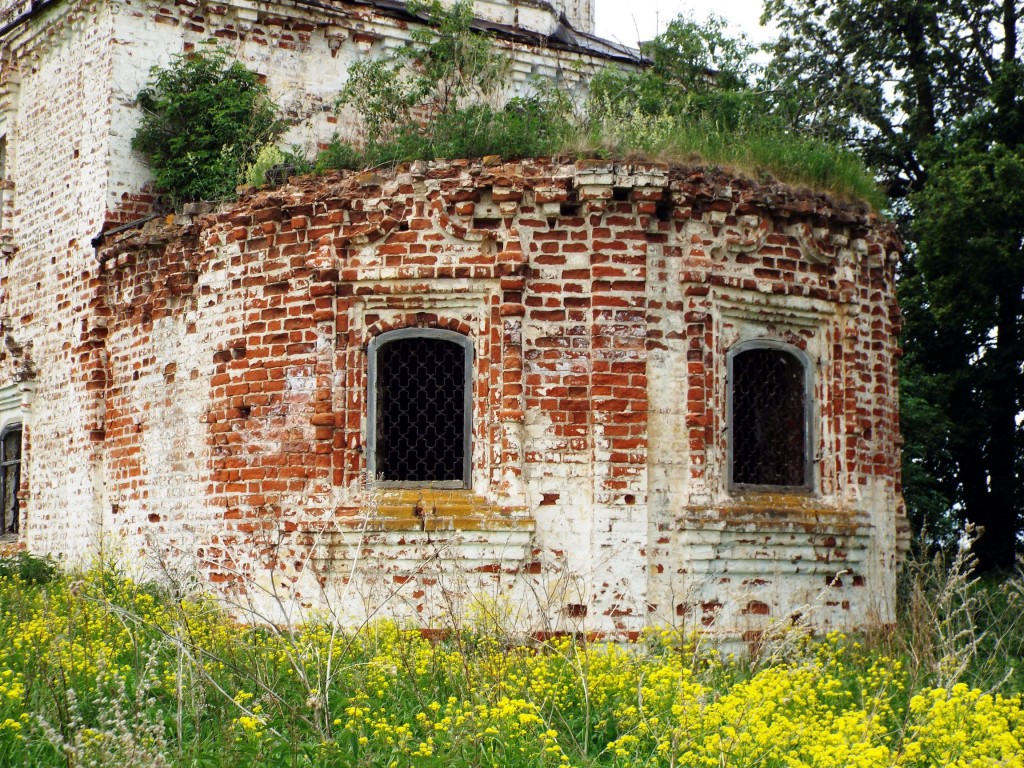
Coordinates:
419 415
770 435
10 478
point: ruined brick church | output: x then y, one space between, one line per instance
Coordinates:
597 395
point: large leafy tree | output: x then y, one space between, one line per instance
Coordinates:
930 93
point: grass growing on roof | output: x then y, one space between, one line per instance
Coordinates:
443 97
760 154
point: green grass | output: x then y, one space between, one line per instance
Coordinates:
530 129
796 161
99 670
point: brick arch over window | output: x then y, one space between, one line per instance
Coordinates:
419 408
770 407
416 320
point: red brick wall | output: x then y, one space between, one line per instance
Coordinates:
601 301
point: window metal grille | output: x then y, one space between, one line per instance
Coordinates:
3 176
769 419
420 407
10 479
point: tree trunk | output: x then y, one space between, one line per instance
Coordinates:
999 508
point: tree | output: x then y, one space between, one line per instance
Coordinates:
441 96
930 94
696 70
204 119
970 235
447 67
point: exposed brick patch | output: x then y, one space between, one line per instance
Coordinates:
221 374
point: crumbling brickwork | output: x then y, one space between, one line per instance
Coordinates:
601 302
69 74
198 389
82 62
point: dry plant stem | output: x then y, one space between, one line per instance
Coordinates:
123 739
661 704
319 688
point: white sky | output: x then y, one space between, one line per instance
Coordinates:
628 21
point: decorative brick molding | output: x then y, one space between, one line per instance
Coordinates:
601 301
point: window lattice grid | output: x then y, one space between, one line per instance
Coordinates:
420 411
10 480
769 421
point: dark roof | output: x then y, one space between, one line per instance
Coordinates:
564 37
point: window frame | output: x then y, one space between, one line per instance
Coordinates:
3 179
372 405
809 408
4 464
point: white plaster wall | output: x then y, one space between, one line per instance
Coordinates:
58 134
536 15
161 521
305 71
11 9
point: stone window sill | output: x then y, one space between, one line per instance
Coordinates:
434 509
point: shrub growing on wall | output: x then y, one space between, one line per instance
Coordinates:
442 96
204 119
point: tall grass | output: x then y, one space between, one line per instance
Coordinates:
99 670
957 626
764 156
763 152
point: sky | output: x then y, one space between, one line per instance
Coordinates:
627 21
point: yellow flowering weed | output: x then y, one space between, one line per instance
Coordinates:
229 694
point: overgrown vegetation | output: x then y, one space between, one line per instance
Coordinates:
697 102
209 125
443 96
274 165
703 99
99 670
30 568
533 127
204 120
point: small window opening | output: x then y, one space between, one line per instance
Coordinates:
3 177
769 419
10 479
419 416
